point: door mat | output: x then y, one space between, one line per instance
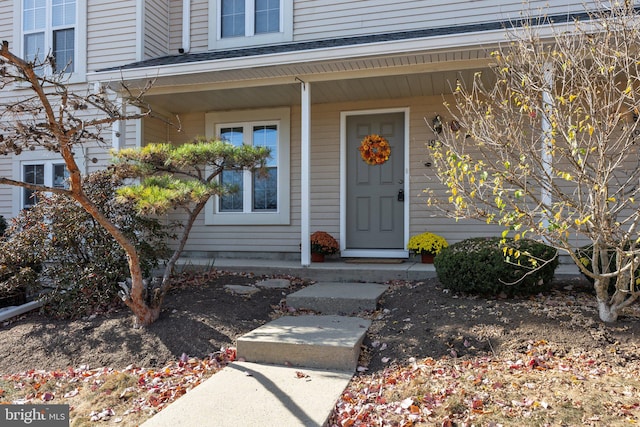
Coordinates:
374 260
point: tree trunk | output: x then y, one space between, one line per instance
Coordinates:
607 311
135 298
193 215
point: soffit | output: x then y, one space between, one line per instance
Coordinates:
394 76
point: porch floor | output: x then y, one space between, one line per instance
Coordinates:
333 270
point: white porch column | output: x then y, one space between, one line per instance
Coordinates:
547 105
305 172
118 128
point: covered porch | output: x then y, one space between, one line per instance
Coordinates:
323 89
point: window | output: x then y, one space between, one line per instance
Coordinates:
255 192
250 22
261 197
239 18
49 26
47 174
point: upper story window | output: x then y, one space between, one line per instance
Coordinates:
240 18
237 23
52 27
49 26
261 198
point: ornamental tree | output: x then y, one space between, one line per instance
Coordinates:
546 145
48 114
184 177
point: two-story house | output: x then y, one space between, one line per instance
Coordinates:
308 78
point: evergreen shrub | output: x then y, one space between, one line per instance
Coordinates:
490 266
78 263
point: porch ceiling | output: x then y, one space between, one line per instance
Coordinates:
325 91
259 82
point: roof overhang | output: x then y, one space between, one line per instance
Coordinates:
394 68
426 54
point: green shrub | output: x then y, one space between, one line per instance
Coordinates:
81 264
480 266
20 265
3 225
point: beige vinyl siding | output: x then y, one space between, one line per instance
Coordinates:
192 127
250 238
325 184
199 26
169 129
424 217
6 21
175 26
325 169
156 28
336 18
315 19
154 131
111 38
6 192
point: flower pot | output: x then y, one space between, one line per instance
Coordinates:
427 258
315 257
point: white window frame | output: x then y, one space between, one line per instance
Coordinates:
79 44
281 216
35 158
250 39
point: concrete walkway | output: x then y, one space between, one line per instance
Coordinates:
305 361
249 394
294 368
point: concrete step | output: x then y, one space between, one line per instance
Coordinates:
325 342
249 394
337 298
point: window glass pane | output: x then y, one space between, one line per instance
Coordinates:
232 202
33 174
232 135
265 190
267 136
34 15
60 176
63 41
63 12
267 16
34 47
232 18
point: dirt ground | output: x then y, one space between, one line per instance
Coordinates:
415 319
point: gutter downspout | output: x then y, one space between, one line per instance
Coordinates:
186 26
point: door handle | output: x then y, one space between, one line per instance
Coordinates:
401 195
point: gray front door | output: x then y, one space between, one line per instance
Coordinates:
375 202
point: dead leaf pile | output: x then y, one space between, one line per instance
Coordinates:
531 388
133 390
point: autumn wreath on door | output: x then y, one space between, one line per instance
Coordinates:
374 149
